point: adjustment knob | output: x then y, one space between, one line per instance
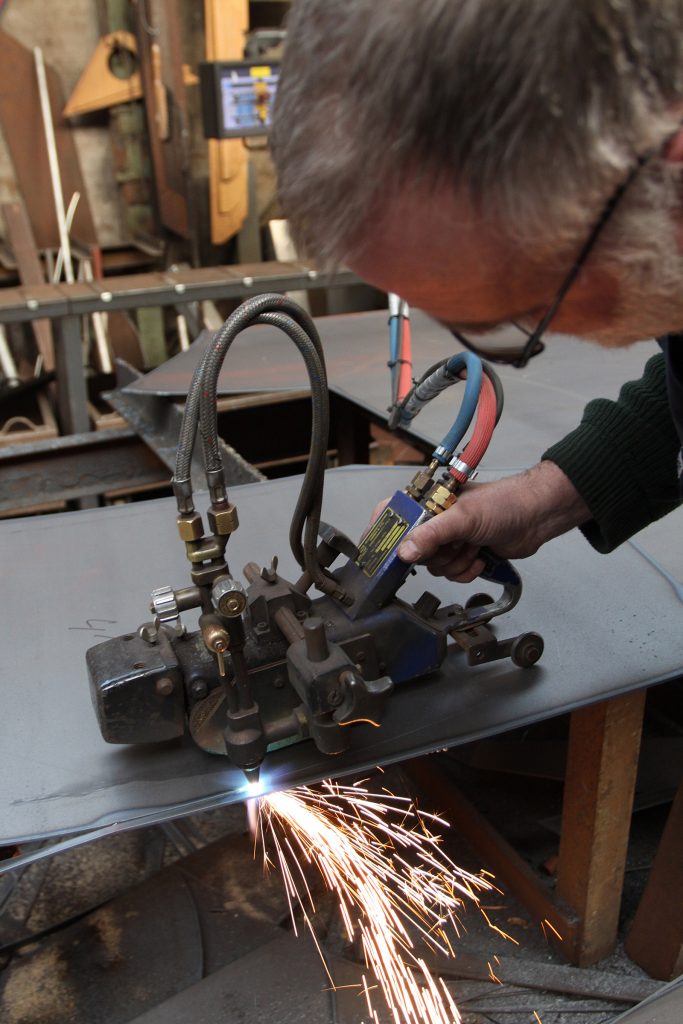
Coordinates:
165 609
364 699
228 597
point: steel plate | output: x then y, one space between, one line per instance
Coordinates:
542 402
611 624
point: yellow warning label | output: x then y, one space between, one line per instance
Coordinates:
380 541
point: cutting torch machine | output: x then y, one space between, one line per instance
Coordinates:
275 661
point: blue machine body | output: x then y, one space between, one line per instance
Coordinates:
375 574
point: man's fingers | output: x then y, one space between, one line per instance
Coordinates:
451 555
462 565
412 551
513 517
444 557
424 541
475 569
377 511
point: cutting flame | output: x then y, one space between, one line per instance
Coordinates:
390 876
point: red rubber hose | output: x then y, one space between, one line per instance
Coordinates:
483 430
405 372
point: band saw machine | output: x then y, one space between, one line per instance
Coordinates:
270 663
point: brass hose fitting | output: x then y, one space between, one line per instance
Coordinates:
223 519
190 527
440 499
422 480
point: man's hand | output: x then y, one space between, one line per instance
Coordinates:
513 517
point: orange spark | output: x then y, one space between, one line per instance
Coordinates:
390 876
552 928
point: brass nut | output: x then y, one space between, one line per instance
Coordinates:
440 499
419 484
190 527
223 520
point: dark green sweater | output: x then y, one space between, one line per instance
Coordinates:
622 459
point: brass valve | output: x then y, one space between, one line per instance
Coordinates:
218 642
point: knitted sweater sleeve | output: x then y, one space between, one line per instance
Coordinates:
622 459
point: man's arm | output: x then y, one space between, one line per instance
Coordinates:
623 459
611 476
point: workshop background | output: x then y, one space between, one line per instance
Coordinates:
166 232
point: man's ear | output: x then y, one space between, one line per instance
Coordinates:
673 150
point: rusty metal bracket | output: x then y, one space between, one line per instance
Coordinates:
157 423
481 645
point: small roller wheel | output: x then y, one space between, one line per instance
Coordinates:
527 648
478 600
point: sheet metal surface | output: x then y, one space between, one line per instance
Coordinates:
666 1007
611 624
542 402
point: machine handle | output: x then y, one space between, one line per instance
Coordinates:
496 570
364 699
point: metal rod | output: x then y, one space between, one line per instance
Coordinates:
72 398
183 334
239 665
317 647
289 625
7 364
56 271
55 175
99 321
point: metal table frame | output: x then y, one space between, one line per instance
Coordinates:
65 304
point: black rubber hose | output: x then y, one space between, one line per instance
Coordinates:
188 433
245 315
200 412
395 416
309 503
211 363
310 497
306 516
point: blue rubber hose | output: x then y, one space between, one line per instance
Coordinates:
434 381
394 323
468 407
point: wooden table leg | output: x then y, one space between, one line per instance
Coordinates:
509 868
602 762
655 940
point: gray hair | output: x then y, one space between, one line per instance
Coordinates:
536 107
